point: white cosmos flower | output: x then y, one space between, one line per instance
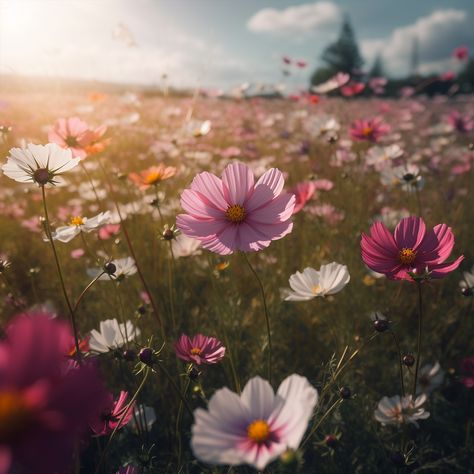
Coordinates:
467 282
400 410
430 378
124 267
255 427
112 335
39 164
184 246
381 156
408 177
306 285
80 224
143 419
321 125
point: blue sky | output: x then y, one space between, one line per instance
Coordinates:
220 43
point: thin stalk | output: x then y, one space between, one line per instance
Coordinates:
420 326
170 287
318 424
175 388
178 421
418 202
397 343
267 317
60 274
85 290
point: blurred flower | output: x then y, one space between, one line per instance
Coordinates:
111 415
143 419
380 157
234 213
467 283
199 349
112 335
40 164
460 123
461 53
333 83
407 176
321 125
46 402
130 469
353 88
467 370
329 280
184 246
377 84
152 176
410 250
398 410
303 193
80 224
109 230
74 134
122 268
369 130
255 427
430 378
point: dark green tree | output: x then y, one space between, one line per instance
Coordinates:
377 68
343 55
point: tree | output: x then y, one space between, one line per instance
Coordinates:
343 55
377 68
321 75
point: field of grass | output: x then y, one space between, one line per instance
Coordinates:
329 340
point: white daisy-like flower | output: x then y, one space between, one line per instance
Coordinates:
39 164
80 224
408 177
322 125
143 419
112 335
398 410
306 285
430 378
122 268
467 282
184 246
381 156
256 426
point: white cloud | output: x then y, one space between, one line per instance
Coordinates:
437 35
301 19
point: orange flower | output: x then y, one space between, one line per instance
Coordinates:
152 176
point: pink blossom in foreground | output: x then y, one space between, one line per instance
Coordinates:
461 123
410 250
303 193
369 130
235 213
255 427
75 134
111 413
353 88
46 400
199 349
461 53
467 371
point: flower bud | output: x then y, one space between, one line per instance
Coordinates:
129 355
345 393
110 268
380 325
146 356
398 459
408 360
331 441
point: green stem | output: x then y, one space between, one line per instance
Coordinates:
85 290
175 388
420 326
318 424
267 317
170 288
60 274
397 343
178 421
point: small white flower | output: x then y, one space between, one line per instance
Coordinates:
143 419
112 335
124 267
400 410
430 378
39 164
330 279
380 157
80 224
408 177
322 125
467 282
184 246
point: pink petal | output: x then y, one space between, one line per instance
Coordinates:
410 232
238 181
278 210
269 186
197 228
210 189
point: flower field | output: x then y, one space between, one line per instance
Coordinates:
201 284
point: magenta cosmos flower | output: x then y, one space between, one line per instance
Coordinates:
235 213
303 193
46 400
111 415
75 134
199 349
410 250
255 427
369 130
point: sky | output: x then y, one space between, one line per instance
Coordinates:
221 43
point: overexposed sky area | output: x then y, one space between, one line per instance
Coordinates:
219 43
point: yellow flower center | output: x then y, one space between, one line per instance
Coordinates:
258 431
366 131
196 351
235 213
15 415
316 289
407 256
153 177
77 220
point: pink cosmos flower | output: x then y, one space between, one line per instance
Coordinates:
303 193
461 123
353 88
75 134
369 130
45 401
235 213
410 250
200 349
255 427
447 76
109 230
461 53
467 369
111 414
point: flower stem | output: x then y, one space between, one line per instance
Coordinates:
178 422
402 384
418 350
318 424
60 274
85 290
170 287
267 317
